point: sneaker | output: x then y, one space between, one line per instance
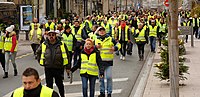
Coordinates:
121 57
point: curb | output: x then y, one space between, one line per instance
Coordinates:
139 87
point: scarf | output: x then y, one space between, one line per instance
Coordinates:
89 51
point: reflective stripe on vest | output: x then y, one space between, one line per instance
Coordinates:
193 21
106 44
39 34
8 44
1 42
45 92
163 28
140 36
52 25
126 33
68 40
89 65
64 55
78 34
153 31
107 27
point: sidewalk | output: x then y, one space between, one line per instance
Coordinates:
157 88
24 46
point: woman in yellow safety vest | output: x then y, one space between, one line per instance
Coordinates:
90 65
10 48
141 38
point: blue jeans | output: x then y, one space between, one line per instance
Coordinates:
10 56
108 74
92 80
152 43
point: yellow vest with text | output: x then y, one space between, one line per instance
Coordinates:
68 40
45 92
105 52
89 65
8 44
140 36
78 34
64 54
126 32
153 31
39 34
51 26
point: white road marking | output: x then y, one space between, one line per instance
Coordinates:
75 83
96 93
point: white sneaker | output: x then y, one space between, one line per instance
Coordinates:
121 57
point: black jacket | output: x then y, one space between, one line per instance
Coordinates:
53 55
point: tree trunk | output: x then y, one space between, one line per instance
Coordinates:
173 48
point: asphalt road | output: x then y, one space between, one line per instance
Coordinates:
125 74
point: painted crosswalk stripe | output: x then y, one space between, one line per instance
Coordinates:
96 93
79 82
75 83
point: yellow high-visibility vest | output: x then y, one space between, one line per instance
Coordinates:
106 44
163 28
8 44
39 34
1 42
193 22
51 26
140 36
64 54
107 27
68 40
186 24
126 32
89 23
45 92
153 31
32 25
89 65
78 34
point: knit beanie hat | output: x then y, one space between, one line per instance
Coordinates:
10 29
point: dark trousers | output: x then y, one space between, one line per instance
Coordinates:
34 47
58 75
129 48
123 47
160 38
152 43
140 48
70 55
2 60
195 31
76 54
